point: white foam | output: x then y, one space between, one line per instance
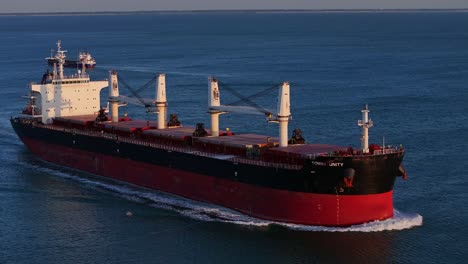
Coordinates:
208 212
399 221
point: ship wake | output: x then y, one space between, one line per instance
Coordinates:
213 213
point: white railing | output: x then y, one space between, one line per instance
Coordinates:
387 151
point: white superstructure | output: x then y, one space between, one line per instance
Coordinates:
59 95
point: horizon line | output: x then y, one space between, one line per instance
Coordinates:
240 11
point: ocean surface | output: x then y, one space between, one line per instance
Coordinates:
410 68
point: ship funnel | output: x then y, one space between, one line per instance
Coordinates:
161 101
284 113
113 96
365 123
213 102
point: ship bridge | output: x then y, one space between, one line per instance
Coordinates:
69 96
59 95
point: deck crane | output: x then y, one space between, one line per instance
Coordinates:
160 102
281 117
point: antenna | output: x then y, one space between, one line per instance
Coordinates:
60 57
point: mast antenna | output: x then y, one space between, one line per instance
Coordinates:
365 123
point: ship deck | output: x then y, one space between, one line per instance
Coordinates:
77 120
308 149
131 125
242 140
172 132
239 141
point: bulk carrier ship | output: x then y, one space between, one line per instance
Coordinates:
273 178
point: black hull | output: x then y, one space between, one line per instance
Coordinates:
372 174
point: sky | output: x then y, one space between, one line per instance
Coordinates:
25 6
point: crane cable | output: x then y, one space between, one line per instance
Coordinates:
135 92
146 85
256 95
247 99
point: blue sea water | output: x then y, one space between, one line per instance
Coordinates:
410 68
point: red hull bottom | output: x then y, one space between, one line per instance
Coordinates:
260 202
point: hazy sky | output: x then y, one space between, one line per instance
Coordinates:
147 5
